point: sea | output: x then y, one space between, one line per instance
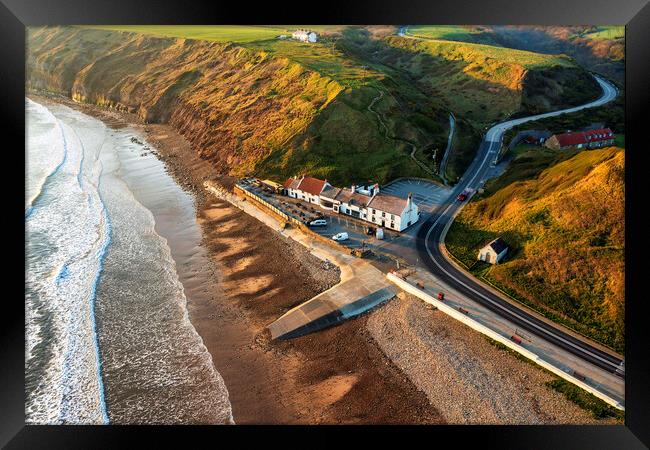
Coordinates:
108 338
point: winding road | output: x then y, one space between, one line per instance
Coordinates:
430 246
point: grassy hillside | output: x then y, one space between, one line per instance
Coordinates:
479 83
563 215
598 48
279 107
241 108
484 83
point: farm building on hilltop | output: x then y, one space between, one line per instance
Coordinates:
363 202
493 252
581 139
305 36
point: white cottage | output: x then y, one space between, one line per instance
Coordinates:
306 188
393 212
305 36
493 252
363 202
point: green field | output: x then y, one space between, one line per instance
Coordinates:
606 32
217 33
323 57
464 33
471 51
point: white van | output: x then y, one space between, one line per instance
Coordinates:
318 223
340 237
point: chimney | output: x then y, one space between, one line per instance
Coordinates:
408 200
354 188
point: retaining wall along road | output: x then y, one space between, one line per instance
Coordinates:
408 287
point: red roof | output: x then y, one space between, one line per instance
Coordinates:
582 137
314 186
287 184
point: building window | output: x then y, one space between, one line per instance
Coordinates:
383 214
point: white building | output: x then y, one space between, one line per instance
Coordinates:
493 252
392 212
306 188
363 202
305 35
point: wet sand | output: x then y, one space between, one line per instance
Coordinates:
238 277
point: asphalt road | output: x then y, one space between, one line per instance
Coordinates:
431 234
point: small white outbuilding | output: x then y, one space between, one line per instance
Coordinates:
493 252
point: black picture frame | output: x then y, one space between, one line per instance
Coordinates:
15 15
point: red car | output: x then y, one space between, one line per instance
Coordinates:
461 197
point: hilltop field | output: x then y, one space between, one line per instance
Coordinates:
251 103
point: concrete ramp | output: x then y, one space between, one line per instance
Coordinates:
345 300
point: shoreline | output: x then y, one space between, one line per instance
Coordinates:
363 371
247 276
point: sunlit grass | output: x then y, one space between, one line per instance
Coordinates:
218 33
607 32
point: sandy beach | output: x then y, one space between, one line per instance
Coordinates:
399 364
242 278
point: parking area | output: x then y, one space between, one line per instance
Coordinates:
307 212
336 223
426 194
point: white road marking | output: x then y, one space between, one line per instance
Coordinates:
494 136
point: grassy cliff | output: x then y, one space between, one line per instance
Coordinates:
279 107
244 109
563 215
598 48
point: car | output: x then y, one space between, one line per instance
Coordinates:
340 237
318 223
370 231
461 197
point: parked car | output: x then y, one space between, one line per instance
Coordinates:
318 223
461 197
370 231
340 237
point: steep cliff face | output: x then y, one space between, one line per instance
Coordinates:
233 104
